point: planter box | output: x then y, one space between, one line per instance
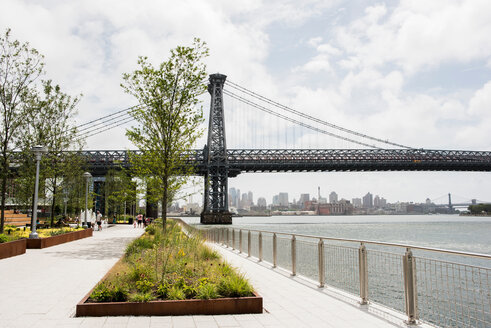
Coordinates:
236 305
60 239
12 248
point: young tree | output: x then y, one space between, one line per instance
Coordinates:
49 124
20 66
169 117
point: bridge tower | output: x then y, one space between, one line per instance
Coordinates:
215 203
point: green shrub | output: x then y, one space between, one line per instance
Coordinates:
162 290
107 292
176 293
141 297
151 229
138 245
3 238
207 291
208 254
144 285
234 286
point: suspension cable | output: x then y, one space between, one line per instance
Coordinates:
293 111
269 111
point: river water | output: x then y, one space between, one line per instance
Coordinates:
463 233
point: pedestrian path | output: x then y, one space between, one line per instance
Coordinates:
42 287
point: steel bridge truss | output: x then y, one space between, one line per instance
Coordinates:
314 160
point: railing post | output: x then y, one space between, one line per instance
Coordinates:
274 250
294 255
228 237
222 236
362 266
240 241
320 261
260 240
249 243
410 293
233 238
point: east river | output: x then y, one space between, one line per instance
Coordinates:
463 233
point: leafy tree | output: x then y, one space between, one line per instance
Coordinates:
169 117
49 124
20 66
120 190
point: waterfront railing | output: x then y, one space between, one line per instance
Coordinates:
442 287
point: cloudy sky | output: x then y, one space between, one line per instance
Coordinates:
414 72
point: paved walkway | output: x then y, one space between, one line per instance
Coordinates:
42 287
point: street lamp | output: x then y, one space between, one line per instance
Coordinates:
87 176
65 199
38 151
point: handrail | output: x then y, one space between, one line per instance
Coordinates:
381 243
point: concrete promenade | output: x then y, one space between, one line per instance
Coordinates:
42 287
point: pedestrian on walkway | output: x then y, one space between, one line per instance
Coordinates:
99 221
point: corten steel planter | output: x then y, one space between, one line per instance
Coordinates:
233 305
12 248
60 239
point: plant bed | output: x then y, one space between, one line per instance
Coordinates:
12 248
58 239
170 274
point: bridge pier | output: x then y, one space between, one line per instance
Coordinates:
215 202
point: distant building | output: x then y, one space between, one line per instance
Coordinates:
261 202
303 199
368 201
283 199
322 200
276 200
376 202
356 202
333 197
249 198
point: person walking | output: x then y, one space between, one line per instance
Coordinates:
99 221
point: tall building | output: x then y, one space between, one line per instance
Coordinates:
244 202
283 199
276 200
376 202
261 202
368 201
333 197
303 198
249 198
232 200
356 202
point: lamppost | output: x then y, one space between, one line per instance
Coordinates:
65 199
87 176
38 151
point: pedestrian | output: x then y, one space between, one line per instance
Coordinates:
140 220
99 221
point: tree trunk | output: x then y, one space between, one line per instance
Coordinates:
4 192
164 203
53 202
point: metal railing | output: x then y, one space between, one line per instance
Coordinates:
418 281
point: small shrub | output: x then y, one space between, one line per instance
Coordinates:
176 293
138 245
141 297
208 254
207 291
101 293
234 286
162 290
151 229
3 238
144 285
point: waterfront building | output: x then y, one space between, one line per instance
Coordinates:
276 200
303 199
261 202
333 197
283 199
249 198
368 201
376 202
356 202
